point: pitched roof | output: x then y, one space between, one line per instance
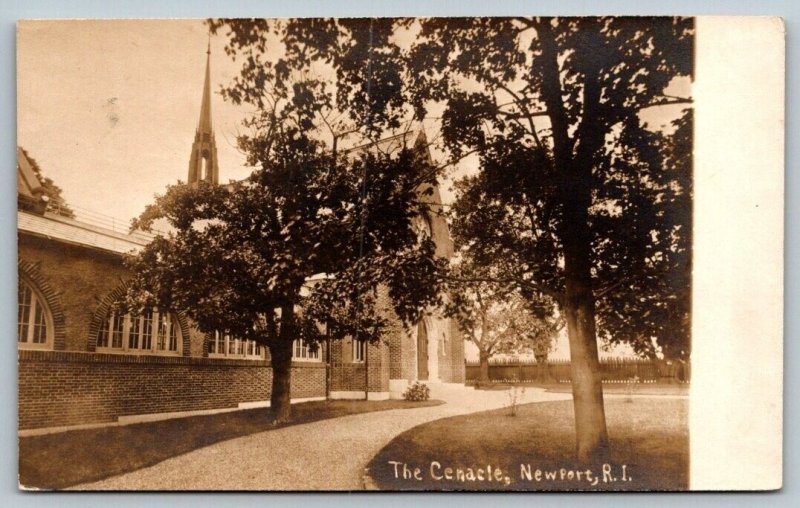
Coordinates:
388 144
29 186
91 230
57 227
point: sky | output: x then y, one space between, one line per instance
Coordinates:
109 108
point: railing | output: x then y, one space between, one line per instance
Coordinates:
101 220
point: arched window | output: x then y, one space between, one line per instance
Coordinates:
204 161
423 227
34 321
150 332
222 345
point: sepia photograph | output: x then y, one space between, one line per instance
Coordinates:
344 254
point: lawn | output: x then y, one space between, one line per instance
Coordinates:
535 450
608 388
636 389
56 461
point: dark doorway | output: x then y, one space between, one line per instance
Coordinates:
422 351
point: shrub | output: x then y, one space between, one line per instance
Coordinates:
513 395
417 392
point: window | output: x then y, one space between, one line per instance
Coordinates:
359 350
424 227
222 345
303 351
34 323
150 332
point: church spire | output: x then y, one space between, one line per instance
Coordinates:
205 108
203 161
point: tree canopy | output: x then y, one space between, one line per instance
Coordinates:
497 320
516 110
531 98
236 251
305 241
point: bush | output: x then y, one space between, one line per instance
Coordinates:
417 392
513 396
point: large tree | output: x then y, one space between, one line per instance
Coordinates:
299 249
552 109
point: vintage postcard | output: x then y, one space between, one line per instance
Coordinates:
426 254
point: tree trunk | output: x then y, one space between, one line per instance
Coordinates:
579 310
579 306
543 374
281 356
483 379
587 389
574 190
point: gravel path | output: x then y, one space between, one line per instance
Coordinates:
324 455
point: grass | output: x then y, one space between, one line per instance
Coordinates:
608 388
57 461
635 389
648 436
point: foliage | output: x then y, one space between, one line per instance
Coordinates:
655 302
514 394
532 97
342 76
238 252
637 183
417 392
630 388
551 107
496 318
315 230
55 201
546 104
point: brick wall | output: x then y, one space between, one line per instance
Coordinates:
402 355
70 388
82 280
73 385
458 372
80 277
451 364
402 364
347 375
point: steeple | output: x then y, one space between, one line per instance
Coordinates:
203 161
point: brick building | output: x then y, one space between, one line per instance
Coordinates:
82 363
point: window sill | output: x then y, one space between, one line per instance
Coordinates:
35 347
136 353
236 357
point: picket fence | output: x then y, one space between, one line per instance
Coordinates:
612 370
